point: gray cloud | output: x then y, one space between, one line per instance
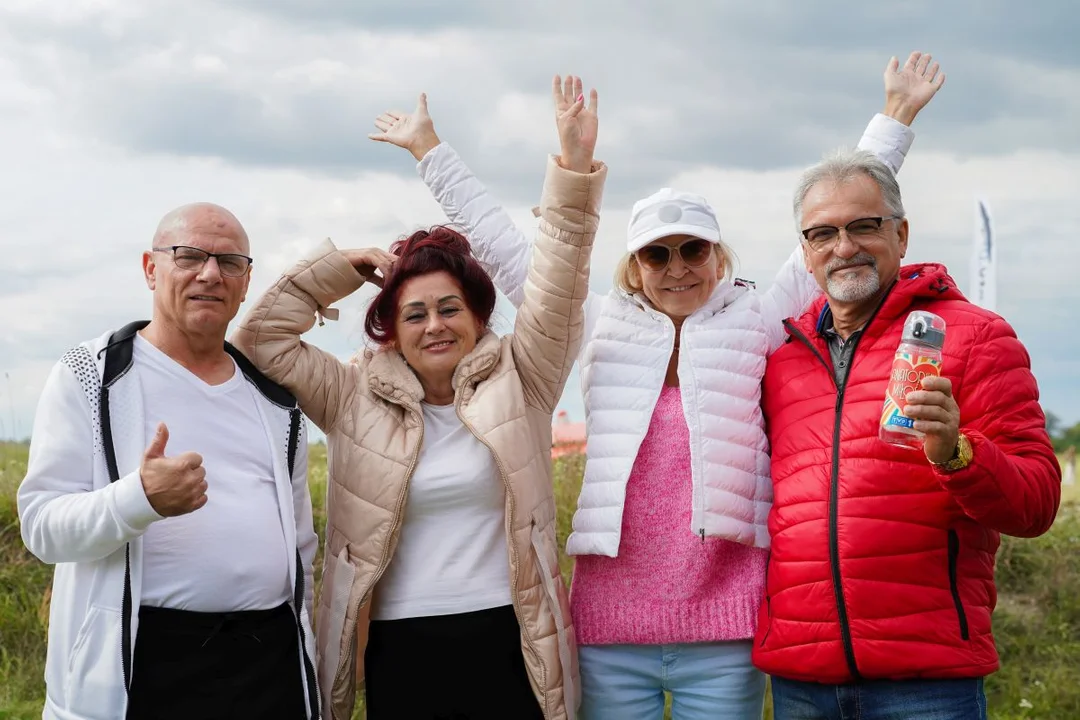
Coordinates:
108 114
411 14
17 282
750 86
997 26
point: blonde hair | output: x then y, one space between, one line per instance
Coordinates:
628 272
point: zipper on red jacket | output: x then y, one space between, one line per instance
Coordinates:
834 477
954 587
834 498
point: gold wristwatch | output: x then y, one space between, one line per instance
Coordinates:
961 456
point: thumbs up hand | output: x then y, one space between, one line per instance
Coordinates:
173 485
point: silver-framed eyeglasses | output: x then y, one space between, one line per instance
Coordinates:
190 258
822 238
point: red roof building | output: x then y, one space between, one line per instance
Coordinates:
567 438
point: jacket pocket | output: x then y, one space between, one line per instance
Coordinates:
954 553
95 681
339 577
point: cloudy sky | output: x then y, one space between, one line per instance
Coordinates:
112 112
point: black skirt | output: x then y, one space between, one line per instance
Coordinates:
449 667
217 665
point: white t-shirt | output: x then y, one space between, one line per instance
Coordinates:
230 554
451 555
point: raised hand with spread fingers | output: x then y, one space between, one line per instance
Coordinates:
908 89
415 132
576 121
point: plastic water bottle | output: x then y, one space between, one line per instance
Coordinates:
918 356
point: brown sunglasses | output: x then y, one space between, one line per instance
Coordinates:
694 252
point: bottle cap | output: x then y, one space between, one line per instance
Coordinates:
924 328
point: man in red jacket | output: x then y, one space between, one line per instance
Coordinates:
881 580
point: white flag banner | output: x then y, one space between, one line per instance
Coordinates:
984 259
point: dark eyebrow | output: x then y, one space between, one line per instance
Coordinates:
421 303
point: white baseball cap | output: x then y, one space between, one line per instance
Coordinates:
670 212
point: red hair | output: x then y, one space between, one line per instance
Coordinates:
440 249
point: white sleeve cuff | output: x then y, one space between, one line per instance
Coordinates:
435 158
889 139
132 505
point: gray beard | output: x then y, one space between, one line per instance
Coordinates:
855 289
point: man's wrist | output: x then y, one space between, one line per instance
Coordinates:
962 456
900 110
133 502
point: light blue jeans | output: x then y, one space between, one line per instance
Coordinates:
706 680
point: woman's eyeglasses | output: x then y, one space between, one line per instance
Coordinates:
656 257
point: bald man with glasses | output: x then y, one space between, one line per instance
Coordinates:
168 484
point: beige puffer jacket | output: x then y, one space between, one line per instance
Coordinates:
506 391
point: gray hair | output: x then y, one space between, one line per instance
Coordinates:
843 166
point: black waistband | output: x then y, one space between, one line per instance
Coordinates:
185 622
501 619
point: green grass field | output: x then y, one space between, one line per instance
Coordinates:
1037 623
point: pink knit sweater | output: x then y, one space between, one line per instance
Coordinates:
666 585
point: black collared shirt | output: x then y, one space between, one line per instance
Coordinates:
840 350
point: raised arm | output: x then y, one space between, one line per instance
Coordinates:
270 332
501 246
551 320
908 89
498 244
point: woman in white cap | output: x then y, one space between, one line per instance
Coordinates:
670 532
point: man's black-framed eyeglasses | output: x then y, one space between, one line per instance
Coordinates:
190 258
822 237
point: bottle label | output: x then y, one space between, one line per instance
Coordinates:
908 371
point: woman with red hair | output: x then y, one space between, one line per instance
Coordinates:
441 586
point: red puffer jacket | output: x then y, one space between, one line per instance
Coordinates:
883 567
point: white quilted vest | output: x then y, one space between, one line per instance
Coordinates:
722 360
